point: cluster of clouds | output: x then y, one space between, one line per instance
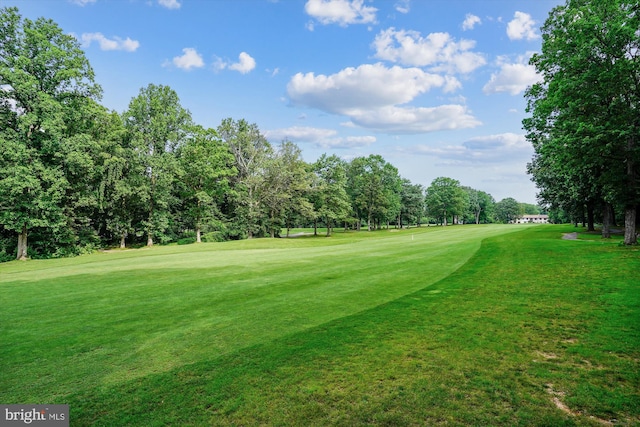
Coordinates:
191 59
480 151
381 96
319 137
114 43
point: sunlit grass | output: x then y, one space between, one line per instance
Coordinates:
464 325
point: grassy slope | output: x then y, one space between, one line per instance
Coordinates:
349 330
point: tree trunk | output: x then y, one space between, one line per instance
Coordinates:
477 217
328 227
198 235
315 226
606 221
123 237
590 217
22 244
273 227
630 236
444 219
149 233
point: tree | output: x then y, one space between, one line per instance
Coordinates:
487 207
585 123
411 203
250 150
445 197
157 126
42 73
206 167
287 182
330 194
507 210
123 182
375 189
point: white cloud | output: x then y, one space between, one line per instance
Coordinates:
372 85
190 59
323 138
513 78
372 96
438 50
244 65
170 4
470 22
109 44
522 26
480 151
82 2
403 6
414 120
341 12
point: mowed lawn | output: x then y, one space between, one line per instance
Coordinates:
468 325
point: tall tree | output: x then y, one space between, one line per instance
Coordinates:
585 110
411 203
332 200
42 72
286 187
157 125
508 210
250 150
206 167
123 182
445 197
375 189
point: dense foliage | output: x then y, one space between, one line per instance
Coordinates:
75 177
585 123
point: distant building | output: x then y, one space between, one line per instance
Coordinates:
533 219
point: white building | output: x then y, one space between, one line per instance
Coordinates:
533 219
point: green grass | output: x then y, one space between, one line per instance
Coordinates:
469 325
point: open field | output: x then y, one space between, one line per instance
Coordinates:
468 325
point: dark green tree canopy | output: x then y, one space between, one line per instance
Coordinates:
585 123
44 77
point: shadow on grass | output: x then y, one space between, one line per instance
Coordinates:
482 347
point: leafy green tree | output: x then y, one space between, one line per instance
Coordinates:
330 193
529 209
206 167
584 125
250 150
43 74
157 126
375 187
123 181
411 203
445 197
508 210
480 207
287 183
487 207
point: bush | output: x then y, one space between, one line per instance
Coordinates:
186 240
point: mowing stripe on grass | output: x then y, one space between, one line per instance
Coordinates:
78 323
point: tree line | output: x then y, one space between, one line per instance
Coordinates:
585 123
75 176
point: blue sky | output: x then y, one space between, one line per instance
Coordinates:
435 87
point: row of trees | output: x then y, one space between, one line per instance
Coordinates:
585 122
75 176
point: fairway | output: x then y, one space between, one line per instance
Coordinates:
325 330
